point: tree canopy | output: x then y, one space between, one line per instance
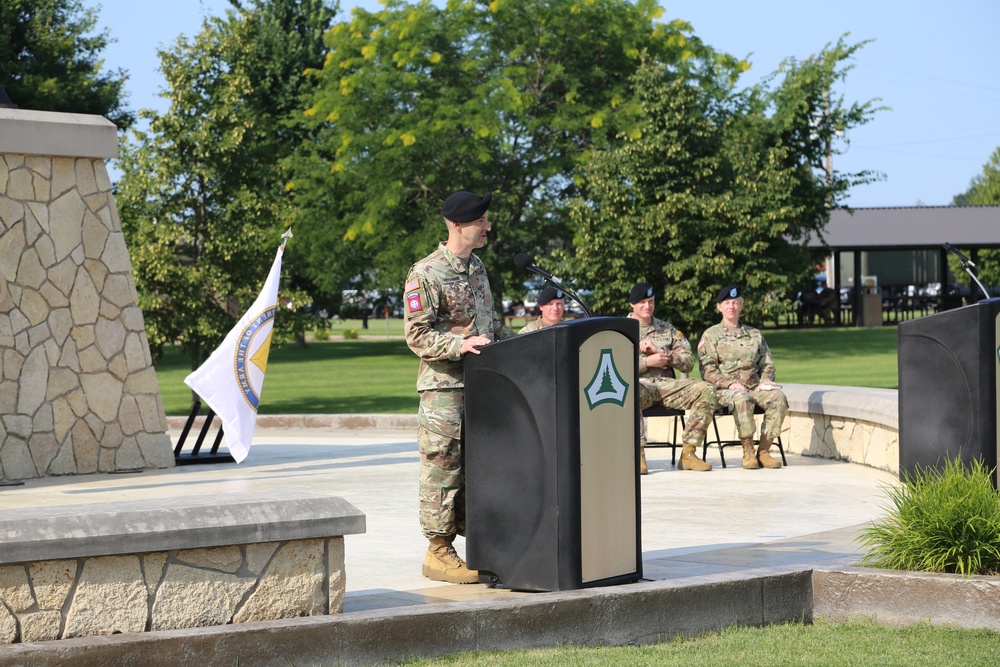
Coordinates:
415 102
50 60
984 190
617 146
202 196
715 187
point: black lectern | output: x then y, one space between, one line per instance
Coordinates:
551 444
948 387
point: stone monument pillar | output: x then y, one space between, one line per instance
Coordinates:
78 393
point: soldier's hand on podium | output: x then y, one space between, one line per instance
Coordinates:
472 342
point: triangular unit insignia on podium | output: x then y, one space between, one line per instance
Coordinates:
607 385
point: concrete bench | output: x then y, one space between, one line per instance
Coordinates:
107 568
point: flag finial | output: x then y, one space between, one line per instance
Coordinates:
284 237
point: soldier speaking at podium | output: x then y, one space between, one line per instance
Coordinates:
449 312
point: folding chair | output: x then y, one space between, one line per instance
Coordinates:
673 443
722 444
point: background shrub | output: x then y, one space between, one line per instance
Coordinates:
940 521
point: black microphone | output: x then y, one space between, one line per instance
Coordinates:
523 261
965 260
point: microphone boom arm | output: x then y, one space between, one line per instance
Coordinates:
525 262
562 288
967 264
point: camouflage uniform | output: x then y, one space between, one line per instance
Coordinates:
739 354
533 326
660 386
446 302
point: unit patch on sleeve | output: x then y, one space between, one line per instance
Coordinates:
413 302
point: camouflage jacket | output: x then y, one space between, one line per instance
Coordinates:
444 305
534 325
735 354
667 338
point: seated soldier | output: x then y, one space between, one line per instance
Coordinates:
737 361
662 349
551 306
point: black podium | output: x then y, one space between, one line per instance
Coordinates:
948 391
551 445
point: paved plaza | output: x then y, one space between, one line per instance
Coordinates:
723 521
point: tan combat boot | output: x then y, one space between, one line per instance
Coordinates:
443 564
750 461
690 461
643 469
763 456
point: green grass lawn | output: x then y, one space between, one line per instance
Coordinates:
378 373
824 643
847 356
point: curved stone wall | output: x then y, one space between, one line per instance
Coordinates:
856 424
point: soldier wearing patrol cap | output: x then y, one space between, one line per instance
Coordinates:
662 350
737 361
551 305
449 313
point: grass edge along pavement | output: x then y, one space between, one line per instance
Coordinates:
832 644
377 374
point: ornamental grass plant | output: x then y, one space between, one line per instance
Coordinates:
944 520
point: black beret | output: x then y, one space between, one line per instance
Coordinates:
465 206
729 292
548 294
639 292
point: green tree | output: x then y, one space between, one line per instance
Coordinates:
202 196
50 60
715 186
984 190
415 102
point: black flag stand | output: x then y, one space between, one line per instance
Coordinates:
195 455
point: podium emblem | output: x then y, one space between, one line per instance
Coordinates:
607 385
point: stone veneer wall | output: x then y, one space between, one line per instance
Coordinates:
60 599
78 393
169 563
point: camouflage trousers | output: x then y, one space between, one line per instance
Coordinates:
695 396
442 462
742 403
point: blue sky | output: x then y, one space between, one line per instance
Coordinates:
933 63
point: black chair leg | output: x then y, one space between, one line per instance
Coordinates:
781 450
718 440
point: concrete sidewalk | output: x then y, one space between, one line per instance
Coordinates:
693 524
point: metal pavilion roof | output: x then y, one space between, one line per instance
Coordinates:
911 228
